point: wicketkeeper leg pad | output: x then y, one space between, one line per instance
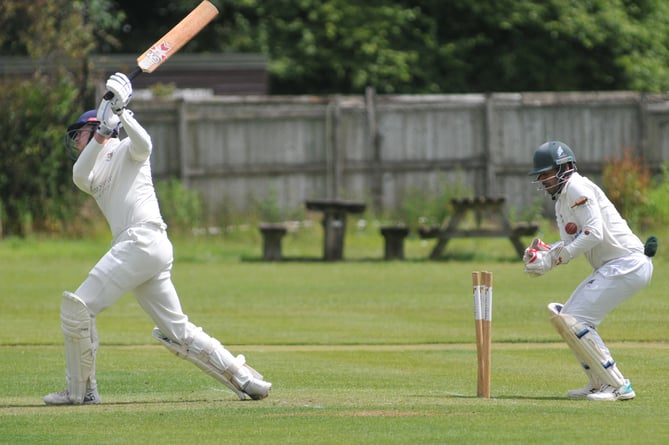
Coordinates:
586 345
80 346
209 355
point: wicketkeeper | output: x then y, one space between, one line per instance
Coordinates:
117 173
589 224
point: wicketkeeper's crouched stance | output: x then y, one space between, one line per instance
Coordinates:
117 173
590 225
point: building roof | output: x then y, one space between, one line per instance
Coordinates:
223 73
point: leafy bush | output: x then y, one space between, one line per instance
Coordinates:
35 175
181 207
36 189
657 210
269 209
422 206
627 181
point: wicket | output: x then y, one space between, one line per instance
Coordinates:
482 284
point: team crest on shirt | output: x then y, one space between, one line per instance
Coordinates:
580 201
109 155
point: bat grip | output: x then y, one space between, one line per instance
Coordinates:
131 75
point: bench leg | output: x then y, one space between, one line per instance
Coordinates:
443 240
439 248
518 245
334 229
272 246
394 247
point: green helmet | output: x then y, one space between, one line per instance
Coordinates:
552 155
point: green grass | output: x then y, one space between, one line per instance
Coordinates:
361 351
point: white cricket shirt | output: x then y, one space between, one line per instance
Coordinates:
591 225
118 175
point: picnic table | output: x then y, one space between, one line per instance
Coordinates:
493 207
334 212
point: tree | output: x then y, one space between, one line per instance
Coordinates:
35 175
555 45
471 46
453 46
341 46
430 46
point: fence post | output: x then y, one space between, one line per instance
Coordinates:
488 155
375 142
333 153
184 146
643 120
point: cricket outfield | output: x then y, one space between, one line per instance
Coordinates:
361 351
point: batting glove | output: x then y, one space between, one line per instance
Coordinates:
120 85
109 121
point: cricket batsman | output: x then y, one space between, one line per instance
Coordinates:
117 173
589 224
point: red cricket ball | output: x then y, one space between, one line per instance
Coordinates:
570 228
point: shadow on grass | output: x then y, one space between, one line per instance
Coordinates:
455 257
506 397
231 399
183 402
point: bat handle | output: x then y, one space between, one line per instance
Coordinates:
131 75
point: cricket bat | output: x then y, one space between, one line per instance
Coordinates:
173 41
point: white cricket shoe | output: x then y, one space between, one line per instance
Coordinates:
63 398
610 393
581 393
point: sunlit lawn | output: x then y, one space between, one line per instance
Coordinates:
359 351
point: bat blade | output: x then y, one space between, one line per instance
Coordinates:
177 37
173 41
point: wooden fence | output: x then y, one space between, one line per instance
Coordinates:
384 149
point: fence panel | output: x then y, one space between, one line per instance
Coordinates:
382 149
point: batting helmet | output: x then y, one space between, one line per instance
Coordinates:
88 118
550 155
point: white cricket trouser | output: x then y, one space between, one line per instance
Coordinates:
140 262
607 287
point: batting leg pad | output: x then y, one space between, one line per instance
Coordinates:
80 345
585 344
209 355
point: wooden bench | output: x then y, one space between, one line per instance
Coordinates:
394 241
429 232
481 207
519 229
272 233
525 228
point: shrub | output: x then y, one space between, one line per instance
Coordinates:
657 211
423 207
627 181
35 175
181 207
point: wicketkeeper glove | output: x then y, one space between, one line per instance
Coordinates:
109 121
540 257
120 85
538 262
537 245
